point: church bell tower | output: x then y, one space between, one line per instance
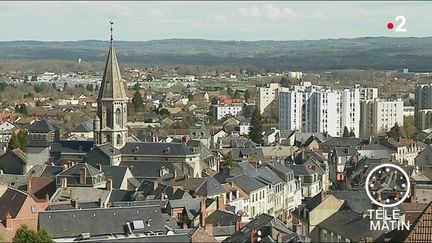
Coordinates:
110 121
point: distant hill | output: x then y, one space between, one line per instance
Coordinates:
359 53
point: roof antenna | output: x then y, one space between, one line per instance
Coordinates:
111 23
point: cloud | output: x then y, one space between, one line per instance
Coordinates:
219 19
268 11
156 12
253 11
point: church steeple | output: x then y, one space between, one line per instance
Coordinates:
112 87
110 122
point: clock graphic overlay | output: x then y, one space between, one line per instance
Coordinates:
387 185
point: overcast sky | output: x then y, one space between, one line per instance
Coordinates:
209 20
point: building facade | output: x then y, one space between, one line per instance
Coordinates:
268 99
319 110
379 116
423 107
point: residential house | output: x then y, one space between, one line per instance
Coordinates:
256 201
14 162
18 208
309 179
271 136
406 149
316 210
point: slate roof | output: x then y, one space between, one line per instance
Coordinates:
246 182
261 221
151 169
424 157
210 187
357 201
51 171
84 127
76 168
118 195
112 87
100 221
348 224
43 126
192 206
267 176
301 170
72 146
117 173
108 150
222 218
239 153
156 149
19 182
11 202
305 136
335 142
83 194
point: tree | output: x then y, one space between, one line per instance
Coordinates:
395 131
24 235
352 134
13 142
255 133
285 82
34 78
230 92
137 86
227 161
137 101
345 132
237 94
22 139
247 110
247 95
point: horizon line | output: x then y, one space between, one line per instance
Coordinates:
226 40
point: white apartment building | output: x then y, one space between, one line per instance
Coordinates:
220 111
368 94
318 110
379 116
267 99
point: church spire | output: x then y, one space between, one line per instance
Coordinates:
112 87
110 122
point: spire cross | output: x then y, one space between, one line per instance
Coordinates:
111 23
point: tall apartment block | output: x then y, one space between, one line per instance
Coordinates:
423 107
319 110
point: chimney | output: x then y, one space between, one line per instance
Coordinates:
109 184
29 184
100 202
9 221
47 197
203 213
254 236
220 203
237 226
63 182
209 229
74 203
100 167
83 175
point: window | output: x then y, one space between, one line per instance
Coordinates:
119 139
118 117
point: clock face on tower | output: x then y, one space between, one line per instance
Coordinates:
387 185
